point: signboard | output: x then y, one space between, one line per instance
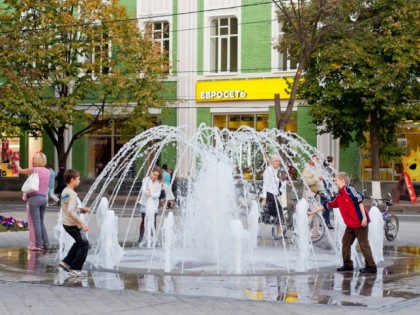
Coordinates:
405 180
241 90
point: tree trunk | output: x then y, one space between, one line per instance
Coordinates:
61 151
374 145
293 92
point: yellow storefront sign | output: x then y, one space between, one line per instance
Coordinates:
237 90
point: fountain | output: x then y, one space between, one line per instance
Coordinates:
216 227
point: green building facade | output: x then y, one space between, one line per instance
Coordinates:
224 73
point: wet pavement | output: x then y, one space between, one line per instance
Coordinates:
396 282
31 283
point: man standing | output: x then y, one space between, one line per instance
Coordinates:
313 179
349 201
271 184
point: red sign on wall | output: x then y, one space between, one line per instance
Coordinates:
405 180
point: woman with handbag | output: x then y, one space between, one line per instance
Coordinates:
37 202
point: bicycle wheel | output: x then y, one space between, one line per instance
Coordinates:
316 228
391 228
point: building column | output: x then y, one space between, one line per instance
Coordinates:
187 76
329 146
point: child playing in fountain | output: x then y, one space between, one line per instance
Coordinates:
151 187
73 224
349 201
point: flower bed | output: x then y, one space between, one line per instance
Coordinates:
12 224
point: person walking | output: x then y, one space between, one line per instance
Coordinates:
271 192
313 178
356 218
329 168
169 196
74 225
51 186
61 183
37 202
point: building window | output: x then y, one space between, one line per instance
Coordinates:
224 45
249 159
9 155
409 138
285 62
98 60
159 31
102 54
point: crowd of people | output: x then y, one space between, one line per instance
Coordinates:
157 193
323 196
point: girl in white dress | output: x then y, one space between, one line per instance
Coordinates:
149 203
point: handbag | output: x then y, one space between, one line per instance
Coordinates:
162 194
32 183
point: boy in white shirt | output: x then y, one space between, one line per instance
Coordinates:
73 224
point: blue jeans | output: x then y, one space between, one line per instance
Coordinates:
326 213
37 205
77 254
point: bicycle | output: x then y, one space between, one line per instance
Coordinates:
316 225
287 222
391 222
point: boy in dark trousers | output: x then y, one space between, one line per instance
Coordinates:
349 201
73 224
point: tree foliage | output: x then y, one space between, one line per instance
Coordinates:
305 23
75 62
367 80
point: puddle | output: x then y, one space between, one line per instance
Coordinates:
397 281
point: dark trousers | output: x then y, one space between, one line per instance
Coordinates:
326 216
143 215
326 212
361 234
77 254
273 207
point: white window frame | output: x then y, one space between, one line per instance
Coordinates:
162 39
215 64
277 34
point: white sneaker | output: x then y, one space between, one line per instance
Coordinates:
65 266
77 273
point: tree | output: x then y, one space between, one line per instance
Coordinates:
365 82
76 62
304 23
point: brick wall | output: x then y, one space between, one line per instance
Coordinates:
204 116
80 152
168 155
256 57
305 128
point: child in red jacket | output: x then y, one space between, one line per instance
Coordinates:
356 218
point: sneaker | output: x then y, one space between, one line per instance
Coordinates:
345 268
368 270
64 265
73 282
77 273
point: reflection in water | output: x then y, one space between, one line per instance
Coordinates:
107 280
35 265
396 283
357 285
